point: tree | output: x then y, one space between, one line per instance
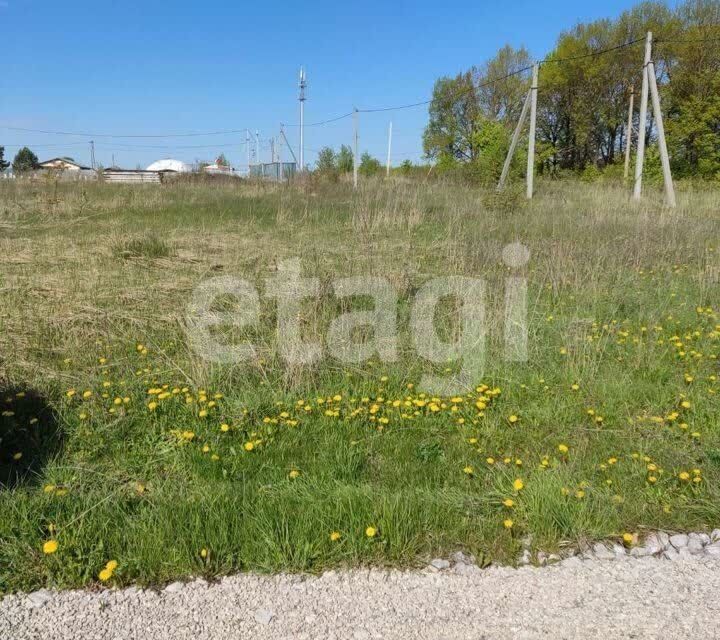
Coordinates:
503 99
453 110
4 164
406 167
25 160
222 161
326 162
369 166
344 159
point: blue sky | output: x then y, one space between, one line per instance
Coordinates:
149 68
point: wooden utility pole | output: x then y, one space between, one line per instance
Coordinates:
387 165
628 133
531 140
664 158
513 143
642 124
355 152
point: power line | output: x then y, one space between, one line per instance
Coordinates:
317 124
593 54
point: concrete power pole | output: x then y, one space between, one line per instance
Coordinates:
513 142
257 147
92 153
664 157
302 85
531 139
247 144
387 166
640 159
628 134
355 151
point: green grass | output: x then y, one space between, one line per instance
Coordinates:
622 302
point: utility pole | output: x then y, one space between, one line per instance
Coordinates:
513 142
531 140
355 152
301 98
664 158
287 144
640 159
92 153
387 166
628 134
247 145
272 149
257 147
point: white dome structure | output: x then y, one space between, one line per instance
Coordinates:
168 164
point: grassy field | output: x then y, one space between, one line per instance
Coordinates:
120 445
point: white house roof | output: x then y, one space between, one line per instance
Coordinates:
168 164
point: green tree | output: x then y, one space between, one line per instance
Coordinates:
25 160
453 110
4 164
406 168
344 160
369 166
326 162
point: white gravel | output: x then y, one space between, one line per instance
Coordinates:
645 597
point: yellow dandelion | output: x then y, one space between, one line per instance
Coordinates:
508 523
105 575
335 536
518 485
51 546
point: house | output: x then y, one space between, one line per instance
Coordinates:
63 164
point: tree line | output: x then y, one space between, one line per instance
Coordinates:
583 99
25 160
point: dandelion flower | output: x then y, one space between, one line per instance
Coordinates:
628 538
513 419
468 470
508 523
105 575
563 448
248 446
51 546
203 553
518 485
509 503
335 536
294 474
371 532
111 565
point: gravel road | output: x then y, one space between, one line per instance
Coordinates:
636 598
